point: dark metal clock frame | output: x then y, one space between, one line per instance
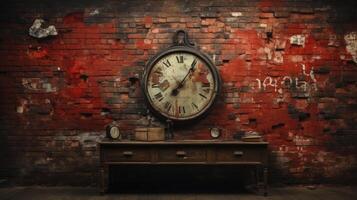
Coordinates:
181 45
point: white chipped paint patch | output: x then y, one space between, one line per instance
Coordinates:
333 41
302 141
37 84
297 40
90 139
351 45
94 12
278 57
236 14
22 107
85 139
37 31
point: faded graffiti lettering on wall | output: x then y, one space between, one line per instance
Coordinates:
305 83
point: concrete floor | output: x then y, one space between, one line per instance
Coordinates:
87 193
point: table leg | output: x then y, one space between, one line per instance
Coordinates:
104 176
256 178
265 177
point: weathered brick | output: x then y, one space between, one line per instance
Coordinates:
61 91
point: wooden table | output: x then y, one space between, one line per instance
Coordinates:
193 152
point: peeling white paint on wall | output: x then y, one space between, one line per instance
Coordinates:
333 41
278 57
263 25
271 55
37 31
302 141
94 12
90 139
37 84
236 14
85 139
22 107
297 40
351 44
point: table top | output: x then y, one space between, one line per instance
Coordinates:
183 142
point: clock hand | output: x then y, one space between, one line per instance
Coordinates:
189 71
180 85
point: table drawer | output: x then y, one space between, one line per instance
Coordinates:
184 154
126 155
238 155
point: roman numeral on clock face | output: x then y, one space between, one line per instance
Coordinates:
179 59
158 71
167 63
206 87
194 106
202 95
167 106
159 96
182 109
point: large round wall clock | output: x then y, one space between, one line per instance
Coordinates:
181 83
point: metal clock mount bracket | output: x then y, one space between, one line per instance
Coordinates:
181 39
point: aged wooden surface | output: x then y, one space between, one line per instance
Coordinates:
191 152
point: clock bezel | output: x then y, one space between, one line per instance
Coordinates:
109 129
181 49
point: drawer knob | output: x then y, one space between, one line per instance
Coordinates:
180 153
128 153
238 153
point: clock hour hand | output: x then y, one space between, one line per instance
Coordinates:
192 68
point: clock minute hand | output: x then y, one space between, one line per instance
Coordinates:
192 68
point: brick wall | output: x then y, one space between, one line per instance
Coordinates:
289 71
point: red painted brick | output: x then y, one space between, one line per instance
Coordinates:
90 71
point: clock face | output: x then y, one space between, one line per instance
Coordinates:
114 132
215 133
181 85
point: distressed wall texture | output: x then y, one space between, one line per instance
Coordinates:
289 71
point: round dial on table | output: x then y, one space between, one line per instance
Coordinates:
215 133
181 85
114 132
